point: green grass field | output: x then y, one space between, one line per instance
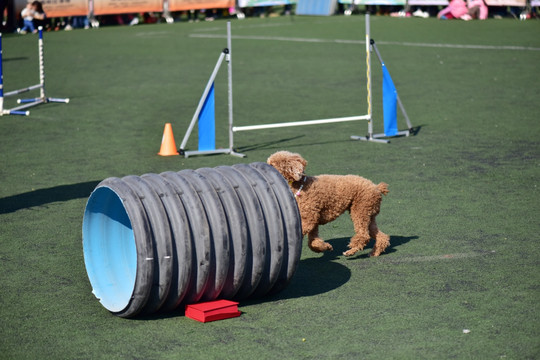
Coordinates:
462 211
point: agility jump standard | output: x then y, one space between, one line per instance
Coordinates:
370 45
27 103
208 120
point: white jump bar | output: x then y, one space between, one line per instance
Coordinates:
300 123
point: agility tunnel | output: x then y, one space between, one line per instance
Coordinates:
159 242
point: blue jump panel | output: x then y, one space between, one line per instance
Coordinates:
389 104
207 124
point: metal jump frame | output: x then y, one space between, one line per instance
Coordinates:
226 53
27 103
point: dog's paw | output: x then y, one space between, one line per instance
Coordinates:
319 245
350 252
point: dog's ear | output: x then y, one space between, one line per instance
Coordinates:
276 160
272 160
281 161
302 161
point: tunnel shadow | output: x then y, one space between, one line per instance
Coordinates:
42 197
314 276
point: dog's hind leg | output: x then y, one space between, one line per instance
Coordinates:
317 244
382 241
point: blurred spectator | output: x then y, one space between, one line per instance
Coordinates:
8 17
259 11
39 14
419 12
193 15
210 14
33 17
27 15
78 22
150 18
477 9
287 9
456 9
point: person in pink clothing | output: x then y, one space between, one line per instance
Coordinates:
478 9
455 10
459 9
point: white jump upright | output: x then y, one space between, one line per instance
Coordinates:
370 136
27 103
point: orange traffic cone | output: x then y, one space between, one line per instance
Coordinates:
168 146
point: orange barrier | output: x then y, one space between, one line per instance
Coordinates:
178 5
107 7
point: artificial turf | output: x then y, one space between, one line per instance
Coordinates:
462 210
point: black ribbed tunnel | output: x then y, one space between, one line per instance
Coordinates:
158 242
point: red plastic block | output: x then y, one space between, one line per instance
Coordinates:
213 310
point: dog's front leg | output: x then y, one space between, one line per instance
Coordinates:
317 244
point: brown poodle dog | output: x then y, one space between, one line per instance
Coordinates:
323 198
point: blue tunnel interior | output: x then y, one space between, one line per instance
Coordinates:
110 253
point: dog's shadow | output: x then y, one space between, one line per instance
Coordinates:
340 246
318 275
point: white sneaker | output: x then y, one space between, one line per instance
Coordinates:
420 13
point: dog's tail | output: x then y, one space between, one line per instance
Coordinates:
383 188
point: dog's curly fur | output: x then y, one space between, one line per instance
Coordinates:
323 198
